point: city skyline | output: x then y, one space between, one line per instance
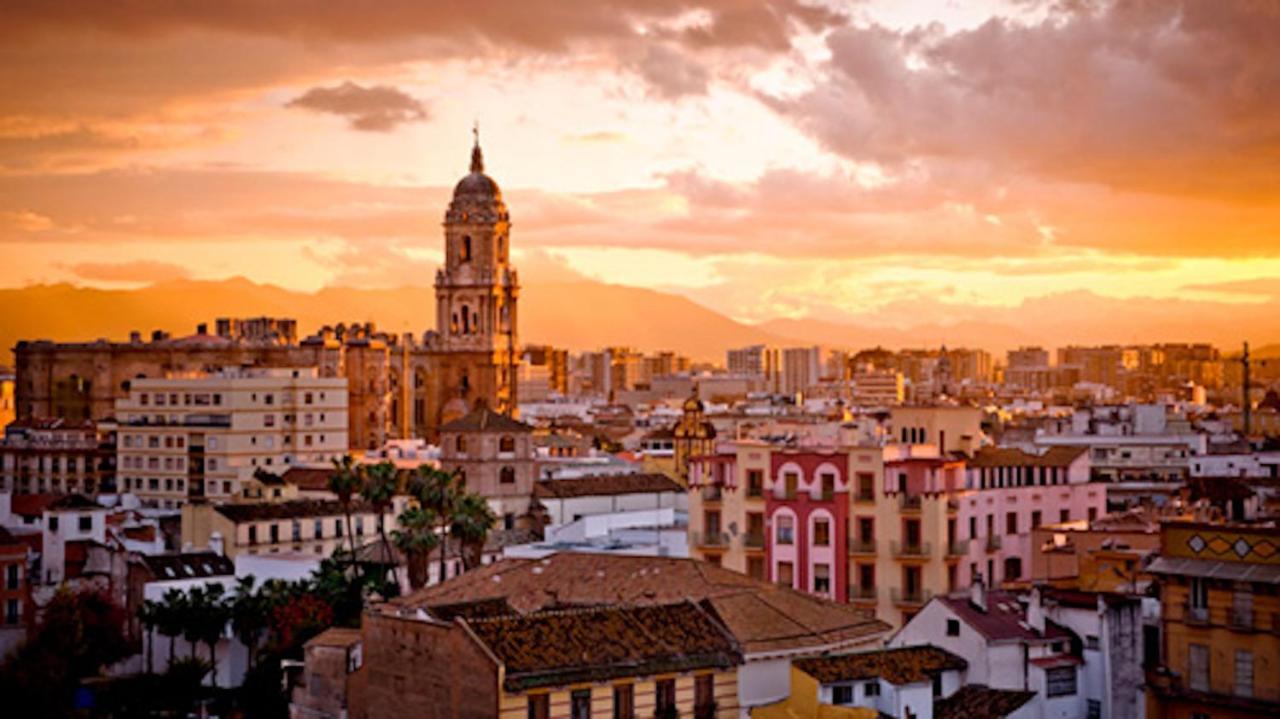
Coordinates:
851 164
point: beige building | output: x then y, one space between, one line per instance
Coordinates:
493 454
305 526
205 436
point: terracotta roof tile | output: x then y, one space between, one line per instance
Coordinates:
483 419
976 701
903 665
1013 457
31 505
605 485
558 648
1004 618
297 509
761 616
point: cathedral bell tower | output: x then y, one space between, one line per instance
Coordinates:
476 294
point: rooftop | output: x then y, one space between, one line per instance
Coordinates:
976 701
761 616
1013 457
296 509
483 419
190 565
903 665
572 646
605 485
1003 620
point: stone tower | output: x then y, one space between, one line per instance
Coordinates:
476 297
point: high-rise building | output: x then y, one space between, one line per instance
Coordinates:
757 361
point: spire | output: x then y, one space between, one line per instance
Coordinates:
477 158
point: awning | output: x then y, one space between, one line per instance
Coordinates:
1213 569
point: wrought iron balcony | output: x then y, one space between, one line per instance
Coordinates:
753 540
863 594
911 549
958 548
910 502
994 542
1192 614
862 546
712 493
916 596
710 539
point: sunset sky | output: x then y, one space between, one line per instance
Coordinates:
840 161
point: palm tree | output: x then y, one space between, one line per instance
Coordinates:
472 519
249 614
378 490
416 539
208 616
437 491
346 481
149 616
172 617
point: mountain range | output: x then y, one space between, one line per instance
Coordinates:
585 314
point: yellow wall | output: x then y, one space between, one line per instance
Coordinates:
516 706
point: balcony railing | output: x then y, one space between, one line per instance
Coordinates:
864 496
862 546
911 549
710 539
712 494
902 595
909 502
1192 614
863 594
753 540
994 542
958 547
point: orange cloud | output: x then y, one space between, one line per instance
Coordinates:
379 108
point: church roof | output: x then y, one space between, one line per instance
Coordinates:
476 196
483 419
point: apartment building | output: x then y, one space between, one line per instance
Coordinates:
307 526
15 591
1220 616
204 436
58 456
1011 494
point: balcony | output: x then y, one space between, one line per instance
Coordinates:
710 540
863 594
958 548
753 540
865 496
862 546
913 597
1194 615
910 550
994 542
1242 618
712 494
909 503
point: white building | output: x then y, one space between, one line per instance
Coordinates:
206 435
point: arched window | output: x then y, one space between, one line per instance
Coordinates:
464 252
420 379
507 444
466 320
507 475
460 444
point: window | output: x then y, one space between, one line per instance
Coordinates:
866 486
871 689
821 533
786 574
507 475
1198 667
337 527
828 485
1093 513
1091 642
822 578
1060 681
1094 709
624 701
1035 519
297 531
359 526
507 444
953 627
755 567
1064 515
755 483
704 696
11 577
1198 600
665 698
785 530
580 704
12 611
539 706
1012 568
1244 673
86 522
1011 523
866 530
841 694
275 533
53 524
792 483
253 534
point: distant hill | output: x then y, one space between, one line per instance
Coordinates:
577 314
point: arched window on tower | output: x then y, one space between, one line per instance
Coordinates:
464 252
466 320
475 321
507 475
502 248
507 444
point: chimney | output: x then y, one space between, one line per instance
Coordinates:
978 593
1035 611
202 329
215 543
135 337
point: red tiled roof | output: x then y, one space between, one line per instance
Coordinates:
761 616
1004 619
1013 457
593 644
902 665
976 701
31 505
483 419
605 485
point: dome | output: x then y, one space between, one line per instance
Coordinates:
476 197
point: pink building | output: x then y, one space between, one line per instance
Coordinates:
1012 492
807 522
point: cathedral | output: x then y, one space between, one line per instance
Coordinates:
398 385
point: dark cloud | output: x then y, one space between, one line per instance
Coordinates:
379 108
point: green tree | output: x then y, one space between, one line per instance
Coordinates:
437 491
471 521
416 539
379 489
149 616
345 482
208 614
249 610
172 617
